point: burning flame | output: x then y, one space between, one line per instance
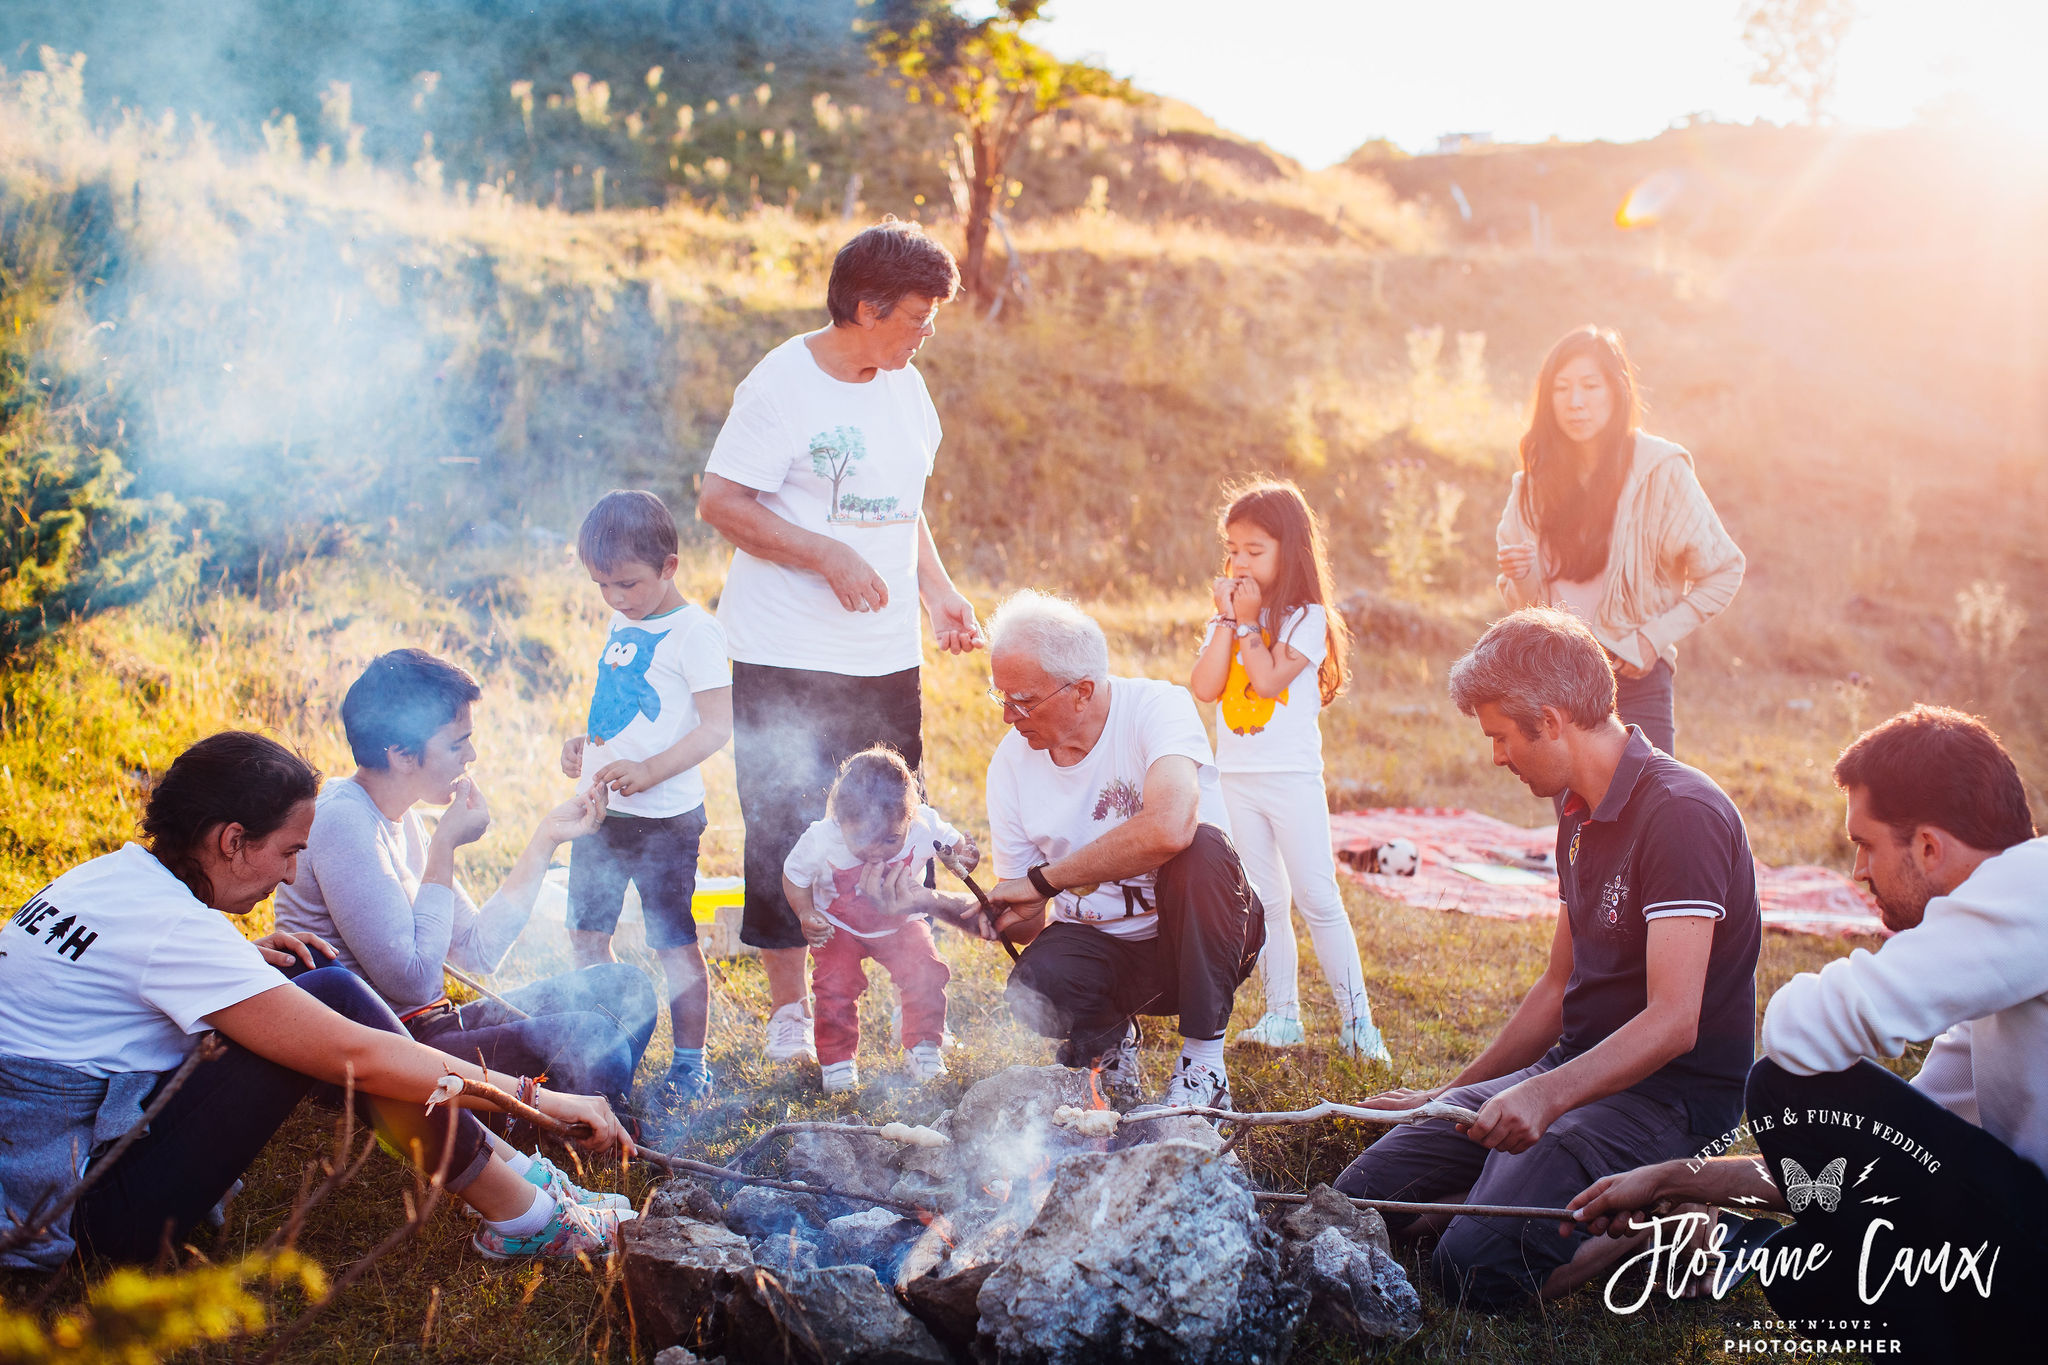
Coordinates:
1095 1100
938 1223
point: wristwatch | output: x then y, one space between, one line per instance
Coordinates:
1245 630
1036 876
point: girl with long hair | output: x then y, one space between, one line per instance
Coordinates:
1610 523
1274 657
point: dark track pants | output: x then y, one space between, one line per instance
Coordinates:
1082 985
225 1113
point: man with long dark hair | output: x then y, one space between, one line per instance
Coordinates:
1918 1205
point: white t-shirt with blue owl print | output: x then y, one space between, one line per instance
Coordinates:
843 460
647 678
1039 812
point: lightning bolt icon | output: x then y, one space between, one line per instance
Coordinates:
1866 1172
1882 1199
1746 1199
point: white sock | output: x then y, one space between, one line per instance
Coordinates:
519 1161
1207 1052
533 1220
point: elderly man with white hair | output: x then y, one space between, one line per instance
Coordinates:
1109 833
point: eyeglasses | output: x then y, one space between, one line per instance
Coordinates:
1025 708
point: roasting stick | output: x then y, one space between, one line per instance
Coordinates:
904 1133
1328 1109
988 909
452 1085
1455 1210
485 991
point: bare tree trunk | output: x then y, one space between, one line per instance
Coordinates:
984 174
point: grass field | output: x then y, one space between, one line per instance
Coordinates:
112 698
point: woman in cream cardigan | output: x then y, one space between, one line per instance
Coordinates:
1609 522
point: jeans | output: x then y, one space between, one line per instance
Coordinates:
1982 1194
225 1113
587 1030
1646 702
1077 983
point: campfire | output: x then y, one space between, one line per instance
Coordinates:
1031 1223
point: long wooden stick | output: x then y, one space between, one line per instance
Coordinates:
485 991
1407 1206
1327 1109
988 909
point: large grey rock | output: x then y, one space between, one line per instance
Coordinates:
1003 1128
1179 1128
691 1284
757 1211
678 1355
945 1303
787 1254
1154 1253
1327 1208
852 1162
875 1238
841 1315
1355 1287
683 1197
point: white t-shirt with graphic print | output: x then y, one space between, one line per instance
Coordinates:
843 460
1039 812
645 700
115 966
821 859
1285 736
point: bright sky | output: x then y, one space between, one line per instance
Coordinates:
1315 78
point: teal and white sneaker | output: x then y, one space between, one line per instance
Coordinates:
552 1178
574 1230
1275 1030
1358 1038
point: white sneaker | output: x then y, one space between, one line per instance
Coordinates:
1194 1083
1119 1074
791 1034
925 1063
1275 1030
839 1077
1358 1038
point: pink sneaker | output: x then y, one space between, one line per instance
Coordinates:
575 1229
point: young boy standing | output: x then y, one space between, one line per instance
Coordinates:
662 705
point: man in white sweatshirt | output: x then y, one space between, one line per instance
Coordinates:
1918 1207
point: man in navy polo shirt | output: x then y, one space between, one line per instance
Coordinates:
1633 1045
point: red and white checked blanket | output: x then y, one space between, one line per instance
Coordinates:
1802 900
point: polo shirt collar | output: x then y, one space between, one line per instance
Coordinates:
1633 758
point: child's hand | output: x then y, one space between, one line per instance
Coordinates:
1245 601
962 857
817 929
1221 591
624 776
572 756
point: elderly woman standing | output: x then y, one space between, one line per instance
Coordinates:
1610 523
817 479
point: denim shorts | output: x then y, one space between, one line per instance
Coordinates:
657 854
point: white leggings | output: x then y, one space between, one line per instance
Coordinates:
1281 825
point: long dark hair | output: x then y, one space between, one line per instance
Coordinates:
232 778
1277 507
1573 523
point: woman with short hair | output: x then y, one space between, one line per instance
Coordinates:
1610 523
109 975
384 891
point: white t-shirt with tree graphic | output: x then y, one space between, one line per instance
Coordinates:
844 460
1039 811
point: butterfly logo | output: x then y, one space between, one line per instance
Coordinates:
1824 1189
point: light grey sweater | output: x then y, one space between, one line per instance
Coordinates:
359 888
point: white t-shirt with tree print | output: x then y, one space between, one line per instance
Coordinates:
1039 812
843 460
